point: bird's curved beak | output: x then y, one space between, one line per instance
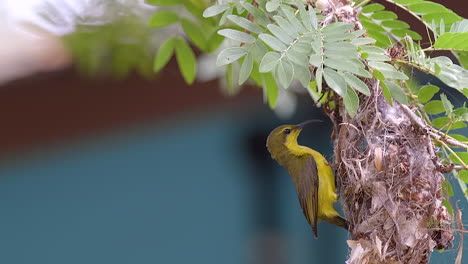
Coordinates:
301 125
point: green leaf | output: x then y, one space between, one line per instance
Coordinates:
427 92
195 34
463 175
434 107
293 20
272 5
286 26
163 2
397 93
461 138
214 41
455 41
337 28
284 72
351 102
335 81
378 75
449 17
407 2
356 83
269 61
447 187
162 19
386 92
462 155
403 32
362 41
245 24
465 92
280 33
164 54
426 7
256 13
443 123
382 39
236 35
246 68
195 7
230 55
384 15
302 73
313 17
341 65
186 60
304 15
398 24
318 78
372 8
273 42
215 10
447 105
297 57
271 89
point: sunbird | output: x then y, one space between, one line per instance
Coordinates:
310 172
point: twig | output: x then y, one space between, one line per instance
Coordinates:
417 121
458 215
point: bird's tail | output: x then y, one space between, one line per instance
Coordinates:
338 220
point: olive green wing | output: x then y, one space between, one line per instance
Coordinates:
305 177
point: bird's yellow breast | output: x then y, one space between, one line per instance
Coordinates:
327 189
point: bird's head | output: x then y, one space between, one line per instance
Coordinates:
284 136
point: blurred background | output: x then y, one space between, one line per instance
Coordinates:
103 161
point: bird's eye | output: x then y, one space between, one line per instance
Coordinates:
287 131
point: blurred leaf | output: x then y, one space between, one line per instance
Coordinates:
272 5
279 33
269 61
443 122
246 68
427 92
453 41
164 54
463 175
186 60
462 155
195 34
256 13
230 55
215 10
434 107
356 83
386 92
284 72
378 75
245 24
384 15
273 42
271 89
448 107
163 18
351 102
447 187
163 2
397 24
237 35
461 138
372 8
335 81
397 92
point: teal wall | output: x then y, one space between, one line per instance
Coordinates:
176 192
